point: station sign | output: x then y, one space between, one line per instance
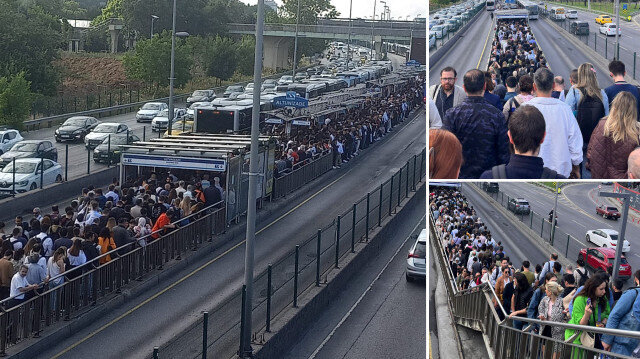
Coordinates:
189 163
290 100
301 123
275 121
413 63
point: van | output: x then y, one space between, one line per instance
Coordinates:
579 28
572 14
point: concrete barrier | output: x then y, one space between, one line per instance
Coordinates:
25 202
292 322
438 54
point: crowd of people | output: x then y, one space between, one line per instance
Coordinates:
518 120
546 291
41 253
350 131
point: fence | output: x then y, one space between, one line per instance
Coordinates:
606 47
474 308
302 175
469 17
50 106
84 286
305 265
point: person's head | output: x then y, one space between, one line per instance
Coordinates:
636 277
543 82
633 163
527 130
512 83
580 262
105 233
526 84
526 264
616 69
445 154
594 288
448 77
553 256
552 289
36 211
617 285
506 271
587 80
521 281
622 122
557 267
23 270
558 83
538 268
569 280
489 86
474 82
8 253
573 77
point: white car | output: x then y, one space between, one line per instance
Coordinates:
150 110
572 14
94 138
417 259
9 138
606 238
610 30
27 172
161 122
285 79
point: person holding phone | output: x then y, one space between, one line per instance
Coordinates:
590 307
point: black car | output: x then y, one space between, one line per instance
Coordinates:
519 205
30 149
579 27
491 187
75 128
110 152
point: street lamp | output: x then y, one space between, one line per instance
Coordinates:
623 227
173 57
153 18
295 46
384 6
349 40
373 21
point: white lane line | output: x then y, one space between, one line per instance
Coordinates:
353 307
578 223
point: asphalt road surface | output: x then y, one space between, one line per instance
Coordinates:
159 315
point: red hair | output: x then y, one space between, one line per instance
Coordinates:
445 154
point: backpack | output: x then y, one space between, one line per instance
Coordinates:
583 277
589 112
500 172
513 105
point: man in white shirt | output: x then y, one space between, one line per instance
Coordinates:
19 286
561 150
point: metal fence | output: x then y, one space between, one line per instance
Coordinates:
302 175
474 308
302 267
84 286
45 106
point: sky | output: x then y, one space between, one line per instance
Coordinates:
364 8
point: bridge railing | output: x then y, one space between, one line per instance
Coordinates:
332 29
302 175
474 308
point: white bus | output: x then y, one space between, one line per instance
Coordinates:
531 7
557 13
491 5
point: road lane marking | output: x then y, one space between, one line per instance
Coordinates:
485 45
353 307
146 301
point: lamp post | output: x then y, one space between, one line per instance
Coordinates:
153 19
295 46
349 40
616 50
373 21
384 7
172 76
623 227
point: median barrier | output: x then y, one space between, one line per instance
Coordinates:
435 57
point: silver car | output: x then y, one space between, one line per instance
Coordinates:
417 259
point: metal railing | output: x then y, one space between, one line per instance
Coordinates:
86 285
302 175
474 308
336 31
305 265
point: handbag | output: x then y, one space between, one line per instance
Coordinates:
589 339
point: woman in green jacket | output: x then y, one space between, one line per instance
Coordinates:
590 307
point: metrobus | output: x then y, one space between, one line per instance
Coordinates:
530 6
491 5
227 119
557 13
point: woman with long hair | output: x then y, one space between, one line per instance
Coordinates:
76 258
589 104
614 138
111 223
106 243
520 300
445 155
590 307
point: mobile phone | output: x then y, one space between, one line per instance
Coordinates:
588 301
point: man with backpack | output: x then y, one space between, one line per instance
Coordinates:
580 273
547 268
526 94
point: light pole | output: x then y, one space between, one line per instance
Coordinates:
295 46
245 343
173 58
384 7
153 18
349 40
373 21
623 227
616 51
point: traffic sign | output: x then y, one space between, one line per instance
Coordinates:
290 100
413 63
624 7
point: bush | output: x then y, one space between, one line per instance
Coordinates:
15 100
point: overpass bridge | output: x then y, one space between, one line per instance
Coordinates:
278 38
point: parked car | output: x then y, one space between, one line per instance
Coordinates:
102 131
75 128
269 84
440 31
161 121
150 110
27 173
9 137
609 212
417 258
606 238
610 30
30 149
603 19
519 206
201 96
604 258
285 79
491 187
110 151
579 27
233 90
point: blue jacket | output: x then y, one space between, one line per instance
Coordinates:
623 316
493 99
532 309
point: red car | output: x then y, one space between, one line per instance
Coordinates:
608 212
603 258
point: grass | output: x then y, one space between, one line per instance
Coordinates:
603 7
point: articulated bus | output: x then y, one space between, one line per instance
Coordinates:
531 6
491 5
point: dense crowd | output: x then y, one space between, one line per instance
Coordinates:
494 118
41 253
350 131
546 291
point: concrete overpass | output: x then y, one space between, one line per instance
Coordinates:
278 38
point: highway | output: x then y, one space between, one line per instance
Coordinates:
155 317
380 314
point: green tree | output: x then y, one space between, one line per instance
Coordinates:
151 61
223 61
15 100
246 55
310 10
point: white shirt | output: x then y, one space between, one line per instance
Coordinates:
18 282
77 261
434 117
562 146
16 243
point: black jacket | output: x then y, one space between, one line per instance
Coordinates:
590 111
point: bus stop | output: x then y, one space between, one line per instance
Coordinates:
223 156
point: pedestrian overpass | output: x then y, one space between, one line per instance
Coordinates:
279 38
473 308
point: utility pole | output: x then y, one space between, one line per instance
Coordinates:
616 50
623 227
349 41
295 46
373 21
245 346
172 76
